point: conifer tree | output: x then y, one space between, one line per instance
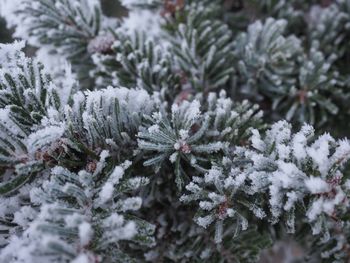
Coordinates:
184 131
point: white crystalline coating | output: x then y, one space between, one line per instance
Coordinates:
292 199
279 132
315 209
82 258
52 117
151 255
85 233
330 204
205 205
74 220
187 111
132 203
299 145
153 128
102 163
44 137
78 99
259 180
258 212
325 205
116 175
126 164
114 220
157 68
288 158
192 187
16 244
211 54
119 228
244 223
317 185
257 143
212 175
259 160
205 254
275 200
319 152
193 111
177 146
10 204
9 53
211 147
131 3
107 192
342 153
287 174
217 199
108 188
131 100
65 81
183 134
46 211
283 151
236 179
128 231
131 56
174 156
9 123
347 184
59 170
135 183
143 20
25 216
205 221
175 108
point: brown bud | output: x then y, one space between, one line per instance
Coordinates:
302 96
194 128
222 210
171 6
91 166
185 148
101 44
183 96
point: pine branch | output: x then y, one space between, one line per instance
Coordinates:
298 171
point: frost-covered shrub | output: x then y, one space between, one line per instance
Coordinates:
186 131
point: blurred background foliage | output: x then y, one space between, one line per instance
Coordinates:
111 8
5 33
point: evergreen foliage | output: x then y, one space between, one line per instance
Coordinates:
186 131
